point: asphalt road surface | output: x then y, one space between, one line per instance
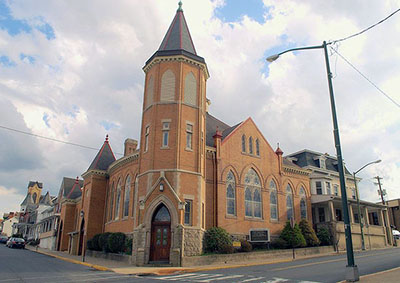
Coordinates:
28 266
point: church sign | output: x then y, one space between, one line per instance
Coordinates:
259 235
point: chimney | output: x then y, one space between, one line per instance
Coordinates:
130 146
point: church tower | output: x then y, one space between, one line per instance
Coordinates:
171 180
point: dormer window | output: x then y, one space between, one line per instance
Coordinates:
322 163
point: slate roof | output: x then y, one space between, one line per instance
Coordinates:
28 200
104 157
71 188
306 158
45 199
177 40
31 184
212 124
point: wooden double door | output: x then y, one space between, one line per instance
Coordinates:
160 235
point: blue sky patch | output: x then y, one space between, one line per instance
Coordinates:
46 29
27 58
107 125
46 119
234 10
6 62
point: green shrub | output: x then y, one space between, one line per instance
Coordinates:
308 233
128 246
293 236
89 244
95 243
324 236
227 249
245 246
216 239
279 244
116 242
103 241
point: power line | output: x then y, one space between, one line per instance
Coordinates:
365 77
364 30
52 139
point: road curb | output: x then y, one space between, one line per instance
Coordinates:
95 266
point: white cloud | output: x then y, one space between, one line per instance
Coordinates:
91 73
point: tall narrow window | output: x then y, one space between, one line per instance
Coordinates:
336 189
190 95
118 200
353 193
289 202
146 139
111 202
189 135
168 86
230 194
150 91
318 186
188 212
273 202
127 195
250 145
328 188
243 143
303 203
165 134
252 196
257 147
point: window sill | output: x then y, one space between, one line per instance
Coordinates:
251 154
253 219
164 147
230 216
188 149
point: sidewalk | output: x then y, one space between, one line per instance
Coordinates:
391 275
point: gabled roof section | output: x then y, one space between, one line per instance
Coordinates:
45 199
104 157
212 124
28 200
71 188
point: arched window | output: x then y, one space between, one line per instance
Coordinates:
110 215
303 203
257 147
190 95
168 86
273 200
230 194
250 145
150 92
252 195
243 143
118 200
34 197
289 202
127 195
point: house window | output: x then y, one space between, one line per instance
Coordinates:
321 214
328 188
189 134
318 185
322 163
243 143
146 139
188 212
303 203
190 89
257 147
127 195
336 189
230 194
252 195
356 218
273 202
373 218
118 200
353 193
338 213
250 145
289 202
165 134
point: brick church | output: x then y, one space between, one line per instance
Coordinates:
191 171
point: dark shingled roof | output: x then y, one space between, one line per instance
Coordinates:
45 199
211 126
31 184
306 158
103 158
177 40
70 188
28 200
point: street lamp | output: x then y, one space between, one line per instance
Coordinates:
351 269
358 202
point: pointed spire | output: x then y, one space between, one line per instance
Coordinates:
180 7
104 157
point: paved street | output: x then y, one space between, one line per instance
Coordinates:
28 266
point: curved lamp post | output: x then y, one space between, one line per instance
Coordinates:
358 203
351 269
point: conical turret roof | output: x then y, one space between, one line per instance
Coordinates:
104 157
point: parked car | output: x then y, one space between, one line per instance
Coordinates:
396 234
3 239
16 243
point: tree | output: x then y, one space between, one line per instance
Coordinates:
293 236
324 236
308 233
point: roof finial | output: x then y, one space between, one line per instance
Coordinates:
180 7
107 138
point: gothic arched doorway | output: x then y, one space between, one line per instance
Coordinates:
81 236
160 235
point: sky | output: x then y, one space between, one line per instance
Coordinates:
72 70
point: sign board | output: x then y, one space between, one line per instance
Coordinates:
237 244
259 235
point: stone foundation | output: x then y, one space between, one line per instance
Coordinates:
193 241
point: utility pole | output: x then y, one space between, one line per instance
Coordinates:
380 188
